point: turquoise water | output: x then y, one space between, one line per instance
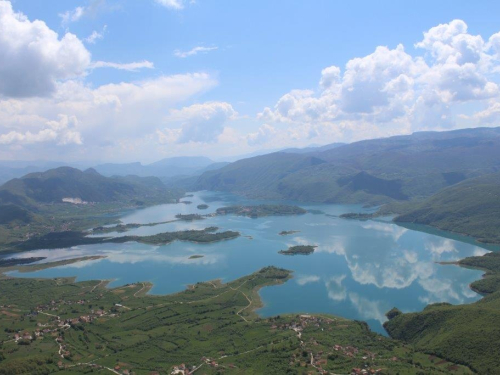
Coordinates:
360 269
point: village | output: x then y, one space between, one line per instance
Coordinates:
56 325
306 356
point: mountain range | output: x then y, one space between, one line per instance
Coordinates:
370 172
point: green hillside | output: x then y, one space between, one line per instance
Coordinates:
65 182
466 334
370 172
32 206
471 207
10 213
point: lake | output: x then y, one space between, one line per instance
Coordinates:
360 269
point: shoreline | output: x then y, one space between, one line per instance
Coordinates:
255 304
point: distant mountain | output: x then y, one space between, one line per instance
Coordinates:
259 176
65 182
312 149
370 172
470 207
10 169
169 167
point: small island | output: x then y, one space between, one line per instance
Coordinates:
288 232
189 217
357 216
196 256
299 250
261 210
120 228
202 206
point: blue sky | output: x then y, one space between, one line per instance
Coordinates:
252 55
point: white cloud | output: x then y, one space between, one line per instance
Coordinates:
63 130
78 13
33 57
263 135
202 123
490 115
391 92
96 35
28 137
194 51
124 115
172 4
72 15
132 67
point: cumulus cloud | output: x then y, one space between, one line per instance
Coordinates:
33 56
194 51
202 123
391 92
125 115
63 130
263 135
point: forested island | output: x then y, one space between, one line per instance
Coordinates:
357 216
299 250
261 210
200 236
189 217
57 240
120 228
202 206
288 232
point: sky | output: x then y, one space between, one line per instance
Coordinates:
128 80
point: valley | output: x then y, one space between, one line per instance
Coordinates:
362 262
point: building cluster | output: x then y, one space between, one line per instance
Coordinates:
182 369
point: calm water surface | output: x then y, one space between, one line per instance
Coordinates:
360 270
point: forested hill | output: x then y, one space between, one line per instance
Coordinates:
373 171
471 207
65 182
